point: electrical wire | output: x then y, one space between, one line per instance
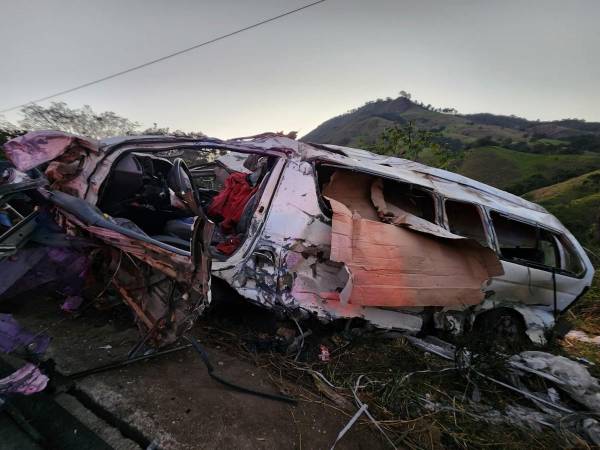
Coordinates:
163 58
210 368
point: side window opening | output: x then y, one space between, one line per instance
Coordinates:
140 193
465 220
410 198
354 189
570 262
525 242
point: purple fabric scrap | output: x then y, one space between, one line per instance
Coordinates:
27 380
13 336
31 268
72 303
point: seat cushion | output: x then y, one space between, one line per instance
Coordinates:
181 228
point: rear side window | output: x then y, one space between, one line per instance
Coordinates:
527 243
464 219
410 198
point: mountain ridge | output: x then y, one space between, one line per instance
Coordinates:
367 121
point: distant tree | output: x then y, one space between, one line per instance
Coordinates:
83 121
8 131
407 141
155 130
405 94
449 111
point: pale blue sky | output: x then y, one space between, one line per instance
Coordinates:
536 58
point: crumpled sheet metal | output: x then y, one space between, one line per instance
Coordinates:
14 337
392 266
27 380
569 375
390 213
175 266
166 291
72 158
37 147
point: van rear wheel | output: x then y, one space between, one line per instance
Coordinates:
503 329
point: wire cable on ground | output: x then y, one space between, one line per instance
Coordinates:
163 58
204 356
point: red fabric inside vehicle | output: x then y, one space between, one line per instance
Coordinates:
229 204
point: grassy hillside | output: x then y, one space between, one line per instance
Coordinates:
520 172
366 123
576 202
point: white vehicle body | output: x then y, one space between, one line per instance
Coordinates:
292 256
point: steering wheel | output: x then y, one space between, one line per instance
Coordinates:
180 181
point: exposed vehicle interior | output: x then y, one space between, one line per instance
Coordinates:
465 220
160 197
529 244
518 241
17 210
354 189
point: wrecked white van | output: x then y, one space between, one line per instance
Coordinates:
322 229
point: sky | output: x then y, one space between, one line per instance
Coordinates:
536 59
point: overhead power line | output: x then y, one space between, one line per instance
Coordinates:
163 58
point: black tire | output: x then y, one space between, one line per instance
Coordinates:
502 328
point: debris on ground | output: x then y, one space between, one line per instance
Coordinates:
418 395
580 336
13 337
570 376
27 380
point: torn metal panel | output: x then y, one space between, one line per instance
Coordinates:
71 158
164 309
166 291
395 267
65 267
38 147
452 184
570 376
391 213
14 268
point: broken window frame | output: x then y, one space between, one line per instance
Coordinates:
268 186
562 243
326 208
482 216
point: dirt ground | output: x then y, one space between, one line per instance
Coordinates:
171 401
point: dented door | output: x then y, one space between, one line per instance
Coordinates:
167 288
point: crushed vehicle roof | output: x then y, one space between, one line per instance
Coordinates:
399 166
447 183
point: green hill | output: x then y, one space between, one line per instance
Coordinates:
520 172
576 202
365 124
